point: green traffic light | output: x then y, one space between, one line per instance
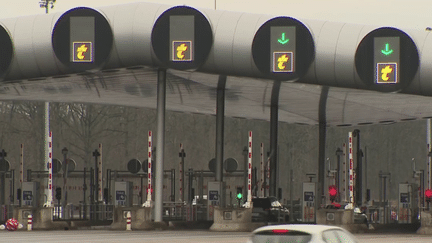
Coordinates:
239 196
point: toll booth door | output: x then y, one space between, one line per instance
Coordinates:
308 202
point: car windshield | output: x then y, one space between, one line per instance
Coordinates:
281 236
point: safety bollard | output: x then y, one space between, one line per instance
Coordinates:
30 222
128 221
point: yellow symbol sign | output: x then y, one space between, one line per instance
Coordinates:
182 51
283 62
82 52
386 73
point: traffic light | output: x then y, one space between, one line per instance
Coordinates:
332 193
428 195
19 193
239 194
58 193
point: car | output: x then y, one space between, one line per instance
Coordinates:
268 209
301 233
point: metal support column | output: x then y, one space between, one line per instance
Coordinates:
322 119
160 144
274 119
220 114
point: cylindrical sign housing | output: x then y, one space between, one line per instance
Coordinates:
82 39
182 38
387 60
6 50
283 49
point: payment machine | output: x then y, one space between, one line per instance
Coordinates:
407 203
308 202
123 193
29 193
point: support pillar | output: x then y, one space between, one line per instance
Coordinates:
321 143
161 89
274 119
220 114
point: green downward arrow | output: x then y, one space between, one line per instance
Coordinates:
387 50
283 40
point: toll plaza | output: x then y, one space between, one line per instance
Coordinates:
277 71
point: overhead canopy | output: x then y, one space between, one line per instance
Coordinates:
194 92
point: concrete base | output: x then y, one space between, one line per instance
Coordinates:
340 217
42 218
140 216
425 223
234 220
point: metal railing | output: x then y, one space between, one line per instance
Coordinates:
83 212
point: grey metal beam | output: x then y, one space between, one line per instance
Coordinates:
274 119
160 142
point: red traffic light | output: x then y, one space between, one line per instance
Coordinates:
428 193
333 191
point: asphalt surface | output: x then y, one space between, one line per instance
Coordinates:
186 236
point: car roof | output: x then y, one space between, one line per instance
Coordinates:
307 228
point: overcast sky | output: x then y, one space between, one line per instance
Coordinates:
413 13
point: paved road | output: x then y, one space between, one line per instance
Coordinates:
87 236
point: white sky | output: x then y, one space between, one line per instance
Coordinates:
412 13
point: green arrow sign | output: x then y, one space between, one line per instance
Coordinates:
387 51
283 40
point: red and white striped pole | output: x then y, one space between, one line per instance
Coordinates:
50 172
128 221
262 171
100 173
249 186
149 172
30 222
351 171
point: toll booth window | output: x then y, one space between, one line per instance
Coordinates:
182 37
282 49
82 39
386 60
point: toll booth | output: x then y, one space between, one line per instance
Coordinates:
29 193
215 190
123 193
408 203
308 202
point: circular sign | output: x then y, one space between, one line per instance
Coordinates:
134 166
212 165
283 49
82 39
387 60
71 164
182 38
56 166
6 50
4 165
230 165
